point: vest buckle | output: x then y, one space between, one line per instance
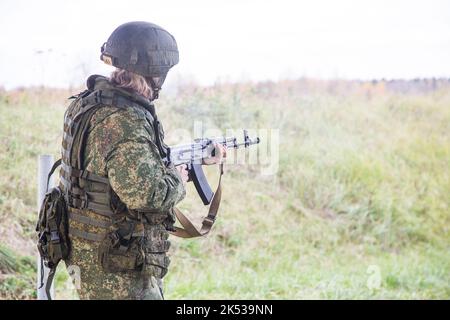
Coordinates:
98 96
84 201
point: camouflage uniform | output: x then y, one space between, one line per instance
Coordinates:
121 145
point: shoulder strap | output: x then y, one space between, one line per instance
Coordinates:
52 170
189 230
49 282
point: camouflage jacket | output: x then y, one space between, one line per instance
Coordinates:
121 145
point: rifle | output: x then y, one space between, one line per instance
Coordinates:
192 155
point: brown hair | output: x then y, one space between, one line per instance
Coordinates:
129 80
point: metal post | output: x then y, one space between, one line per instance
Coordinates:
45 163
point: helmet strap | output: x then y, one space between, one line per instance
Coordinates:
155 93
155 88
156 84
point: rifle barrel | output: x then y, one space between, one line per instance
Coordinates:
196 149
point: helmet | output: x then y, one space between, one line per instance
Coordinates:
143 48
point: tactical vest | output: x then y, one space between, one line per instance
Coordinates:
84 189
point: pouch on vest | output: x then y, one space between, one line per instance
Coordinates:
127 251
117 254
53 239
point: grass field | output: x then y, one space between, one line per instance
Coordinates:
359 207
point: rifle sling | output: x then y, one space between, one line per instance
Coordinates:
188 229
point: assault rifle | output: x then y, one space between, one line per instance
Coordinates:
192 155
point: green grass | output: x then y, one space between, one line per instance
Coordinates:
17 274
362 185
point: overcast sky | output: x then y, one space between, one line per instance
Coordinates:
58 43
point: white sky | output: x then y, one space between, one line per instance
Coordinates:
58 43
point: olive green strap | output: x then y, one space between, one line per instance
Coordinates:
49 282
52 170
89 221
189 230
86 235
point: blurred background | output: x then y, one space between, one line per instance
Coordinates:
357 90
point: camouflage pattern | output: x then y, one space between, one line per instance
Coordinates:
121 145
92 282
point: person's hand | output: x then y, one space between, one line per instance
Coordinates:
182 170
220 153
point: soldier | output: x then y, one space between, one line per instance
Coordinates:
119 192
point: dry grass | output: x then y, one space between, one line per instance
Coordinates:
363 181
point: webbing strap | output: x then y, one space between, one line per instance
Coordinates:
101 209
91 196
67 139
86 235
55 165
81 199
72 175
49 282
91 101
117 99
189 230
66 183
66 152
85 174
89 221
67 124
